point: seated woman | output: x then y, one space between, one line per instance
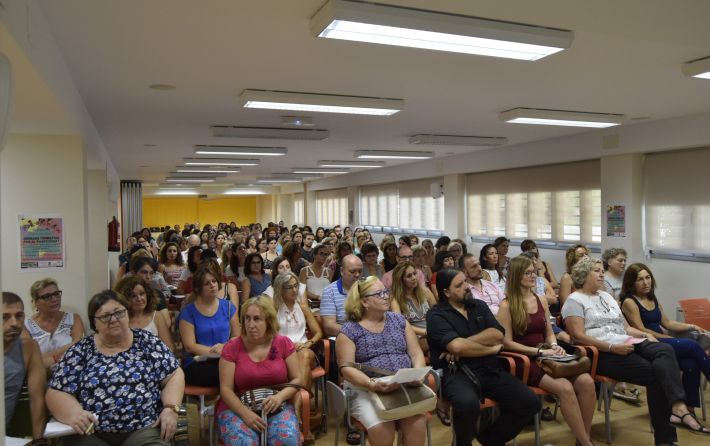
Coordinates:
120 386
282 265
234 271
292 252
525 318
270 254
342 249
530 245
295 318
142 304
370 266
184 285
53 329
316 276
573 255
227 290
205 326
592 317
491 270
389 255
256 281
502 245
442 260
614 260
419 258
412 300
542 286
171 264
456 251
430 252
252 243
376 337
642 310
260 357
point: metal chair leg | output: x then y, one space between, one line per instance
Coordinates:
607 406
703 386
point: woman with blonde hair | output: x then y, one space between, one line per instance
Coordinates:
374 336
525 318
411 300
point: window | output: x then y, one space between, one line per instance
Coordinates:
677 205
379 205
417 209
332 207
555 203
298 209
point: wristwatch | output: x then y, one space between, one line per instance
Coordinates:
174 407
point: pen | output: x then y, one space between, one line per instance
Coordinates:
89 429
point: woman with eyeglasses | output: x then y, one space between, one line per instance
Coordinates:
525 317
256 280
142 313
592 317
53 329
370 267
121 386
530 245
316 276
376 337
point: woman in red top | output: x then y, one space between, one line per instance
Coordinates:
525 318
260 357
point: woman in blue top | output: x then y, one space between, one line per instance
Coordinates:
256 280
205 326
375 336
642 310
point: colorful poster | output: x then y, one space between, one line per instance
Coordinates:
41 242
616 221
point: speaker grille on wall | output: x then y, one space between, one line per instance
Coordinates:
437 190
5 96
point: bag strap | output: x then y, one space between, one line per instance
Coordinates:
366 368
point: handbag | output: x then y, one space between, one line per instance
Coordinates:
406 401
567 368
254 400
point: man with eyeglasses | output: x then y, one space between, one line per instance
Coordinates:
481 288
22 360
332 305
404 254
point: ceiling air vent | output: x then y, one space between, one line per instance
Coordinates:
228 131
202 196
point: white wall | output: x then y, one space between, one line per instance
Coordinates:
97 207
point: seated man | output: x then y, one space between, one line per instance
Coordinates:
22 360
332 306
462 333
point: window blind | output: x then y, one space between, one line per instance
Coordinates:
332 207
379 205
417 209
298 208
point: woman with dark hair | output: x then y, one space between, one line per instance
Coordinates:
530 245
442 243
644 312
389 255
370 267
292 251
320 234
235 270
404 240
252 244
256 280
142 304
205 326
442 260
205 239
502 245
193 261
316 276
171 263
489 263
269 256
342 249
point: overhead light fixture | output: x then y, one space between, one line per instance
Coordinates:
221 162
417 28
699 68
321 170
297 175
228 131
278 180
245 192
457 140
323 103
176 192
350 164
393 154
240 150
189 180
297 121
205 170
561 118
196 175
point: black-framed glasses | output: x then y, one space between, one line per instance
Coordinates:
55 295
118 315
382 295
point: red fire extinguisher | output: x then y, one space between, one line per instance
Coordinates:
114 237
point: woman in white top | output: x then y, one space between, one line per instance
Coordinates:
614 260
316 276
54 330
141 309
491 270
295 319
282 265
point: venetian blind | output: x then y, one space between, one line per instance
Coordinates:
332 207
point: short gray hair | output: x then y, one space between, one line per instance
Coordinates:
610 254
581 270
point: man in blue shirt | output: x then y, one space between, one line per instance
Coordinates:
332 301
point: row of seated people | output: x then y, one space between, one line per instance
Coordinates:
407 298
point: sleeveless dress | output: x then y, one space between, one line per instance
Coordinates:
314 284
534 335
51 341
151 327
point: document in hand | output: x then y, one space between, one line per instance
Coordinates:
202 358
409 375
561 358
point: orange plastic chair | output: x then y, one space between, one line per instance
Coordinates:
205 411
696 311
606 388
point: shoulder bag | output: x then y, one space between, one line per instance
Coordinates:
566 368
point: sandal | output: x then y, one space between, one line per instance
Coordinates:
443 416
681 423
353 437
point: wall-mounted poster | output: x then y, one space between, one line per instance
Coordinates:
616 221
41 242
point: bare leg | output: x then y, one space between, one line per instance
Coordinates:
381 434
586 397
569 405
413 430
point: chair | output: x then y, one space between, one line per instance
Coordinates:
606 388
697 312
205 410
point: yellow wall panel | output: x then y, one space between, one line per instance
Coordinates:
162 211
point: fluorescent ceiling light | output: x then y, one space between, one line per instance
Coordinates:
457 140
221 162
175 192
324 103
350 164
561 117
196 175
393 154
228 131
297 175
190 180
321 170
417 28
278 180
240 150
245 192
205 170
699 68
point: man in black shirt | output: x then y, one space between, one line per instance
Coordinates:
461 331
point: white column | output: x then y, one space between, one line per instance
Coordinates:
454 206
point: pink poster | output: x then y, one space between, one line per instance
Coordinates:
41 242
